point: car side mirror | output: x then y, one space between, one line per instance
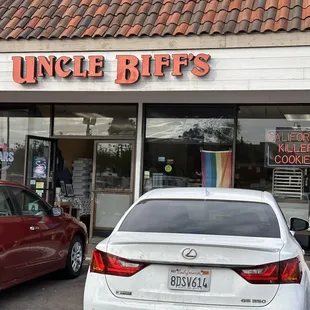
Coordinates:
298 224
56 211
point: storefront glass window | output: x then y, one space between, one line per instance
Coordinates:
273 154
91 120
175 137
15 125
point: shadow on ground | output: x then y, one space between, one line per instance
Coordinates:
51 292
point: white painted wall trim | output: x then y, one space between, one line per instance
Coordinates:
269 39
242 69
139 143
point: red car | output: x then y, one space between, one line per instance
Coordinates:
35 238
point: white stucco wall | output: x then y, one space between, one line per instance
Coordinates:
244 69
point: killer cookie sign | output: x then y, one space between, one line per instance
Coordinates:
130 68
287 148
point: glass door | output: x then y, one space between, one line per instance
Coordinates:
112 182
39 166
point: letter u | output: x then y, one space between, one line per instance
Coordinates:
18 70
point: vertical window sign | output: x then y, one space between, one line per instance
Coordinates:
6 157
39 167
287 148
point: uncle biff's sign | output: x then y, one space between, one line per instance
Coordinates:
27 70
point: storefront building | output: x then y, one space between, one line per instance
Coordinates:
100 120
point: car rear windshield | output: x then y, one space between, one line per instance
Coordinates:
232 218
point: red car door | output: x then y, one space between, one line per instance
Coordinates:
12 258
44 233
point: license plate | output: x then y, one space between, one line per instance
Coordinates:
189 279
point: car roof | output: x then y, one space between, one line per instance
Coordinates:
207 193
3 183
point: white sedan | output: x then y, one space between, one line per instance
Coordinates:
200 249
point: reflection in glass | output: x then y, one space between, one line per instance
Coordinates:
113 166
38 165
175 137
15 124
89 120
290 185
251 171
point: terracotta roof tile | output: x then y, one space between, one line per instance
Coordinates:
294 24
12 23
41 19
46 33
132 9
107 21
25 33
255 26
3 23
85 2
140 19
192 29
75 21
5 33
181 29
169 30
6 3
67 33
50 11
9 13
11 34
104 30
43 22
2 11
101 10
174 18
38 32
91 10
134 31
78 32
53 22
23 22
157 30
39 12
144 8
20 12
295 13
32 23
57 32
89 31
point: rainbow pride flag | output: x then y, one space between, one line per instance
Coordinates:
216 169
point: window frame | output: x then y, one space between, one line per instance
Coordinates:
228 108
18 207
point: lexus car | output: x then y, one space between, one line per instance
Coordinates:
36 238
200 249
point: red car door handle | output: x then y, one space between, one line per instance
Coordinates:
34 228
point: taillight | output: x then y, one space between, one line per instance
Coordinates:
112 265
288 271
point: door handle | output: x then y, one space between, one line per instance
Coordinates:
34 228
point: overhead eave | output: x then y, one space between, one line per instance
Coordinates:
278 39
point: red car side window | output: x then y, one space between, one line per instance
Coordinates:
29 203
5 205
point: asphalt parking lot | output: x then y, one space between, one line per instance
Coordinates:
50 292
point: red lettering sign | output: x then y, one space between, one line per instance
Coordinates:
129 68
288 148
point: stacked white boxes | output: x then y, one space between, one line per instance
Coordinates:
81 177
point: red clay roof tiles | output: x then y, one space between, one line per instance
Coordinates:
25 19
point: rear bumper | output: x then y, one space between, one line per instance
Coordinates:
97 296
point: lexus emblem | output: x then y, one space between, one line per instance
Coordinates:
189 253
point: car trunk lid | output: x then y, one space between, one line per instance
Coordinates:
208 260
